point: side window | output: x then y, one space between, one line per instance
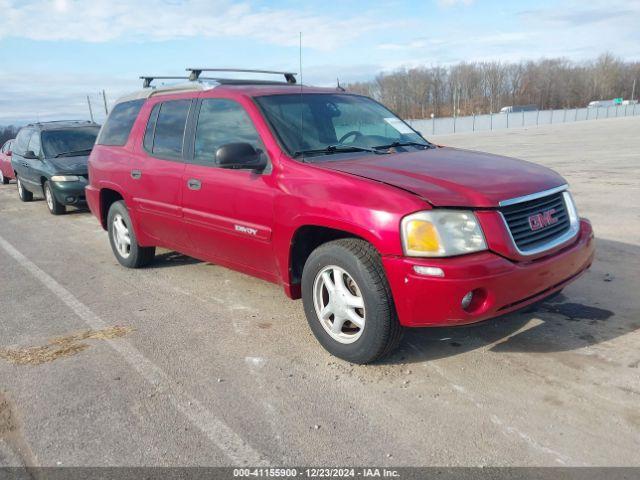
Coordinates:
169 129
151 128
22 141
222 121
119 123
34 144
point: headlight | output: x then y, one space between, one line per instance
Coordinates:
65 178
441 233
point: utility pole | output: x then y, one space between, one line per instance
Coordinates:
633 90
104 99
90 110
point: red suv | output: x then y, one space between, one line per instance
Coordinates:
6 170
338 200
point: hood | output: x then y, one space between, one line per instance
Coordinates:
72 165
450 177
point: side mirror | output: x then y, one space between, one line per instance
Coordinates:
9 153
240 156
30 155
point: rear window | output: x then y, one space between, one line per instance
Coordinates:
169 129
119 123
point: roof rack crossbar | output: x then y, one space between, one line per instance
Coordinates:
147 79
194 74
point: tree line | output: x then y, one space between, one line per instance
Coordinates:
7 133
484 87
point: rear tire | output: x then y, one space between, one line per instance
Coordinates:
54 206
123 239
369 332
24 194
5 180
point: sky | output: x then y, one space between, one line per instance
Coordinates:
53 53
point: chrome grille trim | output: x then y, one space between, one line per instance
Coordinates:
533 196
574 221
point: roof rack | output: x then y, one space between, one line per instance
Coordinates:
194 74
46 122
147 79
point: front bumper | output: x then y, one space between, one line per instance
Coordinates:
500 285
69 193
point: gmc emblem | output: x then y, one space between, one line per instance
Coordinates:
541 220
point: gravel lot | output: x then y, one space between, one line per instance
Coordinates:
214 367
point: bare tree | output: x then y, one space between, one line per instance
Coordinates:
483 87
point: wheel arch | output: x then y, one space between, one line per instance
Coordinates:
305 239
108 196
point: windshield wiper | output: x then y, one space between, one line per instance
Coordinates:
72 152
337 149
403 144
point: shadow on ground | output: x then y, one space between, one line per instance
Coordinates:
561 323
173 259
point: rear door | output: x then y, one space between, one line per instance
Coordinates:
155 181
18 161
228 213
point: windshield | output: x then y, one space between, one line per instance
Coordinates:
69 142
323 124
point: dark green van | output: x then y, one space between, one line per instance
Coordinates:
50 158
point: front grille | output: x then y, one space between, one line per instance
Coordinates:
518 218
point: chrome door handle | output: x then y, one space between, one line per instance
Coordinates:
136 174
193 184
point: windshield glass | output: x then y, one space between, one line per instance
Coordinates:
332 122
74 141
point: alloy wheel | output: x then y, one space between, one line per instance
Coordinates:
49 197
339 304
121 236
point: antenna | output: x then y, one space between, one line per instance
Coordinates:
90 109
104 98
301 105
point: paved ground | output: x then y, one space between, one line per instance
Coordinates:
221 368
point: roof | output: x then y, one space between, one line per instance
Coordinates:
53 125
247 87
256 90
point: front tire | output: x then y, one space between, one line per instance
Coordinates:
123 239
24 194
348 302
5 180
55 207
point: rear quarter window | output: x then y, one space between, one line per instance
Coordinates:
22 141
119 123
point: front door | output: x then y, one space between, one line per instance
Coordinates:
33 173
155 179
228 213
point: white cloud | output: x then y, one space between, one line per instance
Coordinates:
55 97
454 3
105 20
